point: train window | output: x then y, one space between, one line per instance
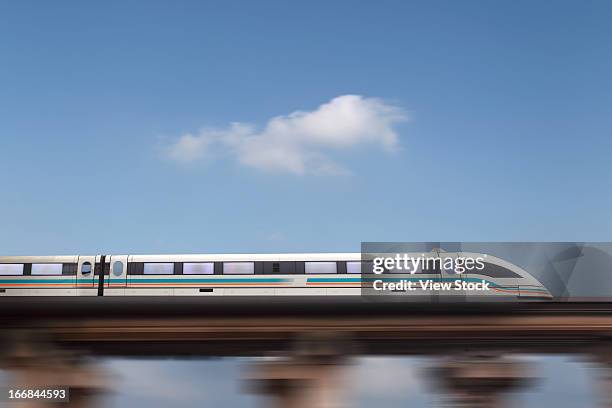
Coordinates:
69 269
198 268
320 267
117 268
281 267
160 268
495 271
86 268
11 269
353 267
238 268
178 268
47 269
135 268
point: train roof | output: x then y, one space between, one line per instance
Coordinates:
249 257
194 257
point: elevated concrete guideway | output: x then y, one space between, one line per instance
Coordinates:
153 326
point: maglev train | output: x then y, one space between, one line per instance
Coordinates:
322 274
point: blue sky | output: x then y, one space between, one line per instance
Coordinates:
506 130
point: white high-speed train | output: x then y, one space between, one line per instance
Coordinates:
323 274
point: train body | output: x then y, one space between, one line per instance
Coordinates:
322 274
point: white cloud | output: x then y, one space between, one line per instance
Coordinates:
300 142
189 148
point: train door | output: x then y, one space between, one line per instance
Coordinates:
117 278
86 283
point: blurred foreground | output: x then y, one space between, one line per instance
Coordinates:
314 378
118 354
109 352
